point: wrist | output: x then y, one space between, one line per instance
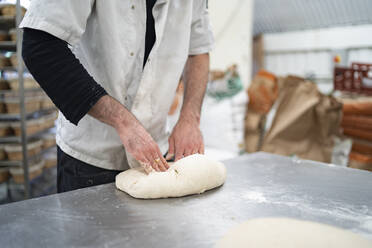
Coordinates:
122 120
190 116
118 123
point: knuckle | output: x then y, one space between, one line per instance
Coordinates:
157 150
154 148
137 156
148 149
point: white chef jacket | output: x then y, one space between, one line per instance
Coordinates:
108 37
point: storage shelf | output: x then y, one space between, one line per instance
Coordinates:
10 139
13 69
7 22
8 46
28 115
43 181
7 163
33 159
18 139
8 68
15 93
40 186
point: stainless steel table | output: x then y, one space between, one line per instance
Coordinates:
258 185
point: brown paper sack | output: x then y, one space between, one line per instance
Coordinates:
262 93
305 122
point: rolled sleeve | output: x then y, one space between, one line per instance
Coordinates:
201 39
64 19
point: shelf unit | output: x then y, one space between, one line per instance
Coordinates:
7 23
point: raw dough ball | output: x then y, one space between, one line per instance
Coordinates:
288 233
191 175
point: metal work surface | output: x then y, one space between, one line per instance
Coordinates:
257 185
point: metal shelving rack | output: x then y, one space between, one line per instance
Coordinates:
7 23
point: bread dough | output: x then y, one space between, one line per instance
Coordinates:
190 175
290 233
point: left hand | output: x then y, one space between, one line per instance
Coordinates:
186 139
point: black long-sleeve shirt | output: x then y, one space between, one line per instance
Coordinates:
62 76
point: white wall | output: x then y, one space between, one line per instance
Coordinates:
327 38
221 122
363 55
232 25
312 51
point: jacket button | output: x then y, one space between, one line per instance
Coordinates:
131 54
133 7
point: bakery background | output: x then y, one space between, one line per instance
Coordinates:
291 77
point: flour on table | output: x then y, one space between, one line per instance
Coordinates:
290 233
191 175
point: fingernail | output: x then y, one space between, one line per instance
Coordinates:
148 169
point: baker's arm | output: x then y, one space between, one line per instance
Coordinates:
60 74
136 140
76 93
186 138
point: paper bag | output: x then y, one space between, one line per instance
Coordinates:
305 122
262 93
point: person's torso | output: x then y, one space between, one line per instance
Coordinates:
112 50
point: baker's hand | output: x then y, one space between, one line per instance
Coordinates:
186 139
139 143
136 140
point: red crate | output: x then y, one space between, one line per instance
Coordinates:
357 79
361 66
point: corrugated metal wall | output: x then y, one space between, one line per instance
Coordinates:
316 65
363 55
277 16
272 16
300 63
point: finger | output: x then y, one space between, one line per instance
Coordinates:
179 153
148 169
194 151
156 155
165 163
160 160
156 165
153 163
162 163
189 150
161 166
201 149
170 154
145 164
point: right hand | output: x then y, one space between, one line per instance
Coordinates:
139 143
136 140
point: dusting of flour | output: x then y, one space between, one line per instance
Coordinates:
325 208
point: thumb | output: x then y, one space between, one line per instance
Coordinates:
170 154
